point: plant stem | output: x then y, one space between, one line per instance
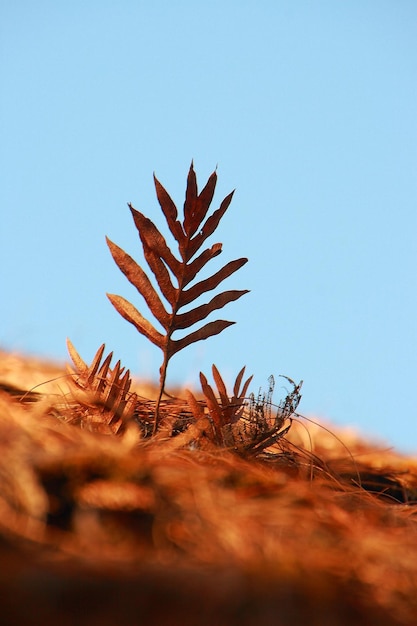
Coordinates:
161 391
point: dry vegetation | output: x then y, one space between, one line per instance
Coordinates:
107 528
120 504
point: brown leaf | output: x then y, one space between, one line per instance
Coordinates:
238 382
120 386
206 331
88 375
239 396
196 206
229 410
221 387
132 315
190 203
231 407
135 274
108 398
77 360
207 230
213 406
114 394
152 238
169 210
192 269
195 406
212 403
96 379
244 391
210 283
204 199
162 275
184 320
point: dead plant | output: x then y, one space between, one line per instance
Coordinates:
190 235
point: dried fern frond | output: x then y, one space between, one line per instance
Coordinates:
223 412
102 390
190 235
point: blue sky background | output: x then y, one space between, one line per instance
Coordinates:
309 111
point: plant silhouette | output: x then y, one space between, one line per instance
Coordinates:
190 235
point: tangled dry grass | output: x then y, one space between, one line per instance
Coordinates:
114 527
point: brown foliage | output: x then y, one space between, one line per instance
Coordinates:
227 411
100 400
190 235
101 387
176 529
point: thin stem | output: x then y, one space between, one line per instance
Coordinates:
161 392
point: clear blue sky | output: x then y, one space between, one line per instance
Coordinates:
309 109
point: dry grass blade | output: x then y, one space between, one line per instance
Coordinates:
165 266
